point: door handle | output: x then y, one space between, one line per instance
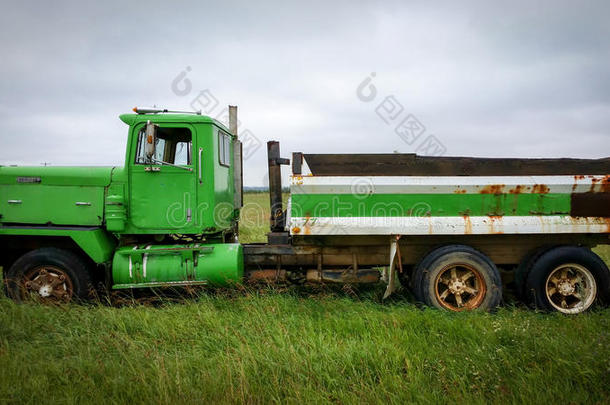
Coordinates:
199 162
14 201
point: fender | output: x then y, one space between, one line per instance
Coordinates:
96 242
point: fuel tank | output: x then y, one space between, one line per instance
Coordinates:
219 264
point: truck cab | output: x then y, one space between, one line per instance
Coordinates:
167 217
178 178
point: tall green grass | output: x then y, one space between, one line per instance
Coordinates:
286 348
298 346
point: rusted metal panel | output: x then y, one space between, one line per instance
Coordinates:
590 204
595 202
344 276
446 205
397 164
457 225
515 185
265 276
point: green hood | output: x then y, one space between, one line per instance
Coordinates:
57 176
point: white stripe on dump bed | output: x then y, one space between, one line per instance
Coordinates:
447 225
442 184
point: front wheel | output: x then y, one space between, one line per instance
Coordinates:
48 275
568 279
458 278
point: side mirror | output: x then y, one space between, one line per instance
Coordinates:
151 139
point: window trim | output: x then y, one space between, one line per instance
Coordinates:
138 129
221 135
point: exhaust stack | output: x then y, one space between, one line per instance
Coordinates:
238 169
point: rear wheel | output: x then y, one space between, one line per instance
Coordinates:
48 275
524 268
458 278
568 279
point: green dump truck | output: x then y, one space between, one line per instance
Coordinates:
450 229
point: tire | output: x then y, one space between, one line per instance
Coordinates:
457 278
48 275
525 267
568 279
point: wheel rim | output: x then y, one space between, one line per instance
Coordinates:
460 287
47 283
571 288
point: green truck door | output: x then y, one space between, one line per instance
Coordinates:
163 195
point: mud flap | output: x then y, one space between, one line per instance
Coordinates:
389 274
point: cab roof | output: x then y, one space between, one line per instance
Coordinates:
131 119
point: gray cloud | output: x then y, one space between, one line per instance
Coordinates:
486 78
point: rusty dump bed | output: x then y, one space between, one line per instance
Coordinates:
409 164
405 194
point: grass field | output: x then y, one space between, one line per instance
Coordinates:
254 222
298 346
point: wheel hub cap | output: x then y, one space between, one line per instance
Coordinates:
565 288
456 286
45 290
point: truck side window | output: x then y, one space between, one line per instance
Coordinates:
173 146
224 149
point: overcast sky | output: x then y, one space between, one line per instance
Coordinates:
513 79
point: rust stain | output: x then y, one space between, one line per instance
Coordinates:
467 224
540 189
518 189
576 179
495 219
542 223
307 225
607 220
459 191
605 183
600 185
493 189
